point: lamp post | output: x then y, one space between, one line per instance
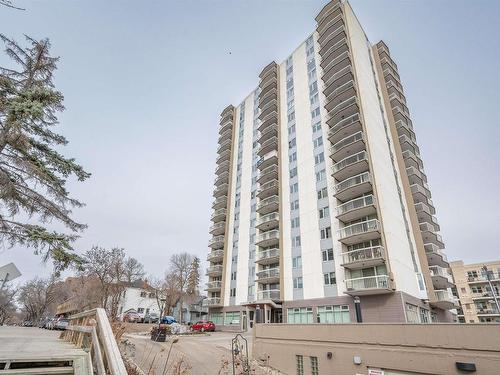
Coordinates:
495 297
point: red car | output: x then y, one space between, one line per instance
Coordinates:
203 326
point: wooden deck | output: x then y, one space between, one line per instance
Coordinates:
26 344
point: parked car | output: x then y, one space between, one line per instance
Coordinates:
131 317
151 318
27 323
50 323
203 326
168 320
61 324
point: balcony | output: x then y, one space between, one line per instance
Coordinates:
223 157
328 14
223 178
429 236
213 286
484 296
441 277
225 126
269 93
416 176
268 146
268 256
444 300
216 242
348 146
268 205
353 187
331 30
227 135
269 221
214 270
269 276
359 232
220 202
327 50
488 312
363 258
424 212
267 160
212 302
333 66
221 190
494 276
222 167
270 131
215 255
351 166
345 128
268 174
356 208
272 294
420 193
368 285
332 52
219 215
435 257
268 189
267 239
412 160
224 146
341 77
218 228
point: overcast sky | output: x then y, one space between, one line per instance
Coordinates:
145 81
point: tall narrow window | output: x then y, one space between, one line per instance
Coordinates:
300 364
314 366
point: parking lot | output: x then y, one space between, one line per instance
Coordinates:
203 354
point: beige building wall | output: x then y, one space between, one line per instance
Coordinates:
393 349
477 299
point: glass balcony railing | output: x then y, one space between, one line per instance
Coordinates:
268 294
273 216
369 282
212 301
363 255
359 228
268 201
214 285
214 269
215 240
215 254
346 142
353 181
269 273
360 156
267 254
271 235
361 202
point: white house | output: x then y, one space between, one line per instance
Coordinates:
139 297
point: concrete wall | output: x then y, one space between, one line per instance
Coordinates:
394 348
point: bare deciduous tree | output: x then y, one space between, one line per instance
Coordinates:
180 265
7 303
133 269
36 296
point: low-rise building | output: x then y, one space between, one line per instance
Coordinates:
138 296
477 288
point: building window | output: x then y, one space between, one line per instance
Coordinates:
297 282
294 188
232 317
297 262
321 175
330 278
292 143
300 364
323 193
302 315
295 222
292 157
291 129
315 112
318 142
324 212
314 366
296 241
424 316
294 205
232 292
144 294
326 233
140 310
327 255
316 127
216 317
319 158
463 290
334 314
411 313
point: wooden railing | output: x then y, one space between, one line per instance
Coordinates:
91 330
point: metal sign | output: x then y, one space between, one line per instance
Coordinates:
239 351
8 272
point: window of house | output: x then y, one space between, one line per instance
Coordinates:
144 294
216 317
318 142
330 278
297 282
291 129
140 310
300 364
314 366
315 98
411 313
300 315
296 241
291 116
294 205
294 188
326 233
324 212
323 193
327 255
319 158
297 262
321 175
295 222
334 314
292 157
316 127
292 143
424 315
232 317
293 172
315 112
463 290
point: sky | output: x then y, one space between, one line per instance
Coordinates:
145 81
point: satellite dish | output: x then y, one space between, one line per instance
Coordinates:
8 272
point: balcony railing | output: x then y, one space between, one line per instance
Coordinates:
346 142
212 301
363 255
487 311
359 228
220 213
218 227
214 285
369 282
444 295
272 217
214 269
440 271
352 119
269 273
268 173
267 254
268 201
266 236
216 240
215 254
268 187
349 161
352 181
361 202
268 294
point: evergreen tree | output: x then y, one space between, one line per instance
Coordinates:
194 276
33 173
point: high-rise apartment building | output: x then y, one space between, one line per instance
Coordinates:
477 287
321 198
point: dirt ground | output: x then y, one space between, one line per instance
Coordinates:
203 354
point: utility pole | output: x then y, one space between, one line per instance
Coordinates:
495 297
